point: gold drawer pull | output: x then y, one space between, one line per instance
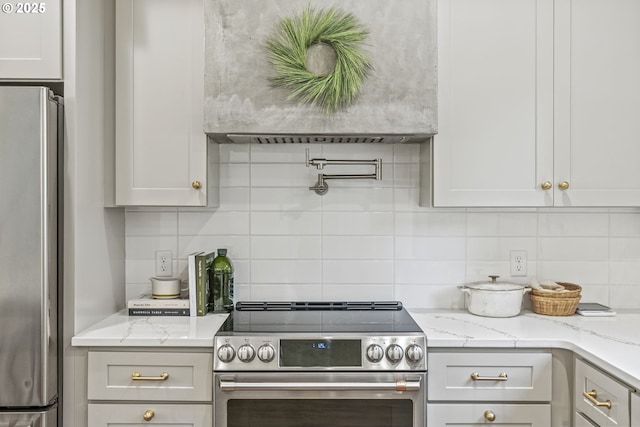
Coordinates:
592 397
489 415
137 377
501 377
148 415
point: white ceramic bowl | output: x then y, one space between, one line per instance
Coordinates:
165 287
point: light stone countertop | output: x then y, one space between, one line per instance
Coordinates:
613 343
122 330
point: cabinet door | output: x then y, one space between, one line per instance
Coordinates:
609 402
140 415
581 421
161 148
31 40
635 409
597 60
494 146
485 414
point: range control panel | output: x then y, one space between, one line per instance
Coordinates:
305 353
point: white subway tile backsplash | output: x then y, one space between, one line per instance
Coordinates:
370 240
357 247
358 199
285 222
213 223
286 271
429 248
574 224
151 223
357 223
284 199
431 223
357 271
286 247
574 248
235 175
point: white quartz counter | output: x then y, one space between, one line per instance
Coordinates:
122 330
612 343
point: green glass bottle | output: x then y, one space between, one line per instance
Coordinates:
221 281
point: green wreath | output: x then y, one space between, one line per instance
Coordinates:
288 48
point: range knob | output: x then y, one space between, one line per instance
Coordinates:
266 353
246 353
394 353
226 353
414 353
375 353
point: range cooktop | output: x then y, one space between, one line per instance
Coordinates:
277 318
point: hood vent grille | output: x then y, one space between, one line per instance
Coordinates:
318 139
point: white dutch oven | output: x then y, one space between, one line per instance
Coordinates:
493 299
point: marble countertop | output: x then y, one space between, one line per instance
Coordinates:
613 343
122 330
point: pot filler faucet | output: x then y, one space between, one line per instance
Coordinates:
321 187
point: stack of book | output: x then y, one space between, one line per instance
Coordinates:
146 305
594 309
196 303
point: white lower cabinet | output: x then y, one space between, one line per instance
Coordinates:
600 398
635 409
480 388
494 414
132 415
139 388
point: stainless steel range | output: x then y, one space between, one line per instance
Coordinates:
327 363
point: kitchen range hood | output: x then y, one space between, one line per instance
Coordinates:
396 104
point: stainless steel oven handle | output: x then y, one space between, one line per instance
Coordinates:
227 385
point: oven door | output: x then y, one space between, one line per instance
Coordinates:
319 399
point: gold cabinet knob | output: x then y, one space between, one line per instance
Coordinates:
563 185
148 415
196 185
546 185
489 415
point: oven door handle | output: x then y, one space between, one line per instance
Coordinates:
226 385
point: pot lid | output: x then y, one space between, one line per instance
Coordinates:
494 285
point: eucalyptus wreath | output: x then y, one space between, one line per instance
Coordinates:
288 48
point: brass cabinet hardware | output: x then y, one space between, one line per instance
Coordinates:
489 415
196 185
592 397
136 376
563 185
546 185
148 415
501 377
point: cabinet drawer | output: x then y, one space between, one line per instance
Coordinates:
490 376
132 415
111 376
529 415
581 421
605 389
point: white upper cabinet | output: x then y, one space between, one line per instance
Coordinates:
597 87
495 102
537 103
31 40
161 148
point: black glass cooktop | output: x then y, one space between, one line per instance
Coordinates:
319 317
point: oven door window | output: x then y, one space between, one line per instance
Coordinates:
320 412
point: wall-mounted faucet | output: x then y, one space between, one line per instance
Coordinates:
321 187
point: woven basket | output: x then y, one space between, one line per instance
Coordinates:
554 306
573 291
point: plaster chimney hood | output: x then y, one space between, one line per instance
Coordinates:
396 104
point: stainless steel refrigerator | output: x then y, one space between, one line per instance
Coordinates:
30 134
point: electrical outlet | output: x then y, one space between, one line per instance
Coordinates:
163 264
518 263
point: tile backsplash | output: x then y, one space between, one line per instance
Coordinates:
369 240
